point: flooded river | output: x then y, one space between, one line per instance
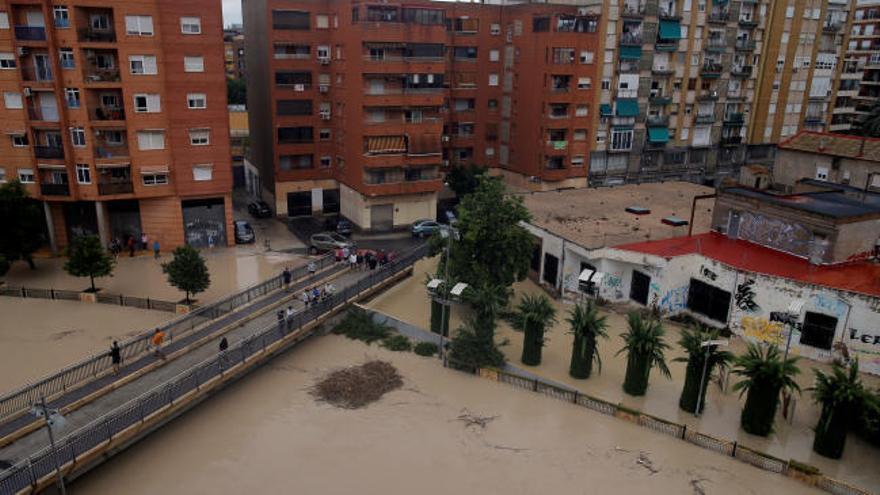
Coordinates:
266 434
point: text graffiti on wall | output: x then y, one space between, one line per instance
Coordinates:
791 237
674 300
708 273
763 330
745 296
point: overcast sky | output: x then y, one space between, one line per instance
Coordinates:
231 12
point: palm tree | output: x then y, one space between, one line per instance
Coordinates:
644 345
840 393
586 326
870 123
765 375
532 316
691 341
487 302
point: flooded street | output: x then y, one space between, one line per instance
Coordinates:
266 434
408 302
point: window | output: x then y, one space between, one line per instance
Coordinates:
143 64
621 139
190 25
322 22
323 52
818 330
580 134
585 83
7 61
26 175
66 57
139 25
83 174
147 103
582 110
495 29
577 161
151 140
540 24
2 175
19 140
193 64
196 101
492 104
61 16
493 79
822 173
708 300
586 57
324 134
200 137
203 172
78 136
105 61
12 100
290 19
493 55
295 162
4 24
789 11
326 161
606 84
155 179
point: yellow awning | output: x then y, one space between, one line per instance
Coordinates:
386 144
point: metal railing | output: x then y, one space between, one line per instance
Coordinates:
28 472
22 399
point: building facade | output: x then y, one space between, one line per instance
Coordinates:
359 108
114 117
851 161
858 87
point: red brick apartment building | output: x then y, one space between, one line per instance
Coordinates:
113 115
361 107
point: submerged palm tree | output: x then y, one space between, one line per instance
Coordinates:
840 394
644 345
587 326
691 341
532 316
765 374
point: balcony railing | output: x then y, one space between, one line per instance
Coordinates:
663 71
715 44
731 140
666 45
102 75
658 120
30 33
721 17
734 118
49 152
55 189
103 151
97 35
36 73
708 94
633 9
558 145
747 45
748 22
832 27
711 68
741 71
102 113
704 119
37 113
630 39
814 118
108 188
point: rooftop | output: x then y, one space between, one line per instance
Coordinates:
862 277
843 145
597 217
830 203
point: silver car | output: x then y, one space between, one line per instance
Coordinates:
328 241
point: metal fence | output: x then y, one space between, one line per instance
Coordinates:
101 297
722 446
73 376
28 472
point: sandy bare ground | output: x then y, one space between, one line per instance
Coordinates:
266 434
408 302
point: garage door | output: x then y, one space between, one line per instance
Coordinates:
299 204
204 222
381 217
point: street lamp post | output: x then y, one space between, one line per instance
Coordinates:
709 345
53 419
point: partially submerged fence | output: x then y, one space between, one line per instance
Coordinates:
22 399
727 447
101 297
28 472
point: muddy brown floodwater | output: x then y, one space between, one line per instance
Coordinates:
266 434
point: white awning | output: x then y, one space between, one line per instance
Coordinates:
458 289
587 273
154 170
111 165
434 283
50 165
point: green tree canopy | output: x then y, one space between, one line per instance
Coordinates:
532 316
765 374
236 91
587 326
464 179
187 271
88 258
841 394
22 223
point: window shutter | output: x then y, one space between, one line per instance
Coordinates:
154 104
150 65
132 26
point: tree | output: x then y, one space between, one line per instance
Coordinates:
765 374
487 302
187 271
870 123
841 395
532 316
88 258
469 350
644 344
23 224
464 179
236 91
691 341
586 326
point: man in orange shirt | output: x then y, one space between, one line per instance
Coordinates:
158 339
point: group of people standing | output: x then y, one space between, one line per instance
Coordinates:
133 243
363 259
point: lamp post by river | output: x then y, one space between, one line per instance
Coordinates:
434 288
53 420
709 345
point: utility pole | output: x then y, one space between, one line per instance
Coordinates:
43 409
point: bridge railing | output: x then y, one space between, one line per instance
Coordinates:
22 399
28 472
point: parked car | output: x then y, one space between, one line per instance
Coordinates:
259 209
328 241
244 234
424 228
338 224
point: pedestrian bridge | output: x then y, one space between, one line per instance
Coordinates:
103 413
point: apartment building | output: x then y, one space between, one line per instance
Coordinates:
233 47
114 117
858 87
360 108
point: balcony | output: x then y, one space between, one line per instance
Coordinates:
30 33
718 17
557 145
631 39
105 150
748 22
660 99
36 74
49 114
94 35
628 67
633 9
662 71
663 45
55 189
731 140
832 27
49 152
745 45
711 70
658 120
741 71
103 114
813 119
668 14
95 75
734 119
704 119
715 45
116 187
708 95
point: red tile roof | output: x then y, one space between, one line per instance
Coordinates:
860 276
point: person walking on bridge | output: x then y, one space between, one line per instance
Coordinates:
312 268
115 357
157 340
286 277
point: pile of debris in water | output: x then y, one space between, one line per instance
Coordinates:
357 386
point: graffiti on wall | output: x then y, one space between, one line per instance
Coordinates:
830 304
614 282
776 233
763 330
674 300
745 296
706 272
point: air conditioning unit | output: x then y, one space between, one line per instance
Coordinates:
325 115
22 51
299 87
27 91
323 88
444 139
324 61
